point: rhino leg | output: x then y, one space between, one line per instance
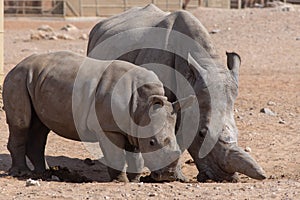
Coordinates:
35 150
112 145
17 148
117 175
179 174
135 163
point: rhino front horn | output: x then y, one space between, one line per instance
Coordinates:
240 161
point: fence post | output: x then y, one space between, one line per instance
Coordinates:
125 5
1 41
80 8
239 4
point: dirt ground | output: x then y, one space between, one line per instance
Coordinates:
268 41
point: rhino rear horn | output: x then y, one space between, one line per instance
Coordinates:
233 64
240 161
184 103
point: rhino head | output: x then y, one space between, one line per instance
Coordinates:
216 154
160 151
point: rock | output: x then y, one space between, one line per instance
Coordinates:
35 36
267 111
69 27
271 103
281 121
151 194
280 6
248 149
84 36
239 117
214 31
52 37
273 195
140 184
41 35
287 8
65 37
30 182
272 177
292 114
45 28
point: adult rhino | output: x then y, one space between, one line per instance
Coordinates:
77 97
178 40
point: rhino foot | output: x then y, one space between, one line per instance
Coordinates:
134 177
19 171
180 177
121 178
117 176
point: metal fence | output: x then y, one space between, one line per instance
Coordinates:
84 7
34 7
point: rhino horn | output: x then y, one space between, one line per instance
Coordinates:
240 161
233 64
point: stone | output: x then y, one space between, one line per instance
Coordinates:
84 36
273 195
65 37
281 121
248 149
140 184
30 182
271 103
45 28
52 37
214 31
151 194
267 111
69 27
35 36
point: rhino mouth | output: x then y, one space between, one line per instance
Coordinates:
234 160
217 175
164 175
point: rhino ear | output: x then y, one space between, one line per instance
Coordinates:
183 103
233 64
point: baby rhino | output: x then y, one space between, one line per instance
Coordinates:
115 103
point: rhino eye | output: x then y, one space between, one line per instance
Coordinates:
152 142
156 106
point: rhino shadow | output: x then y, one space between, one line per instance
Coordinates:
66 169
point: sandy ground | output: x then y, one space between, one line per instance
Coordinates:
268 41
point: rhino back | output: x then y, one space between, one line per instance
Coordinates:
46 89
50 84
137 17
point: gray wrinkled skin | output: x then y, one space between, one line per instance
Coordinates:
37 97
225 158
